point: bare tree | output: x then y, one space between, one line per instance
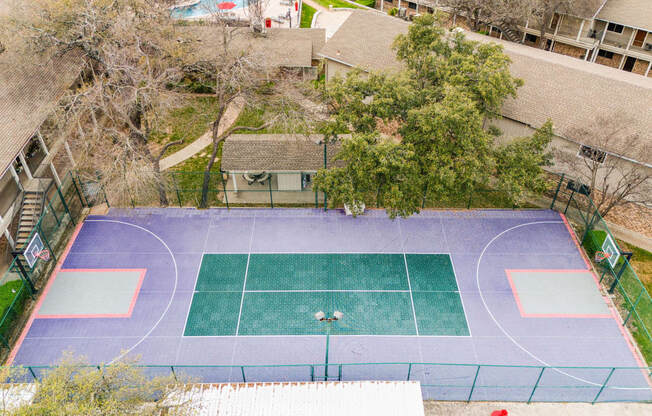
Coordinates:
613 181
255 10
543 11
132 55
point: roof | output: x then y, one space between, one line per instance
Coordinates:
279 48
359 398
635 13
30 89
567 90
276 152
364 40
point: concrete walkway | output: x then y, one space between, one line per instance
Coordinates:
433 408
230 116
315 5
331 20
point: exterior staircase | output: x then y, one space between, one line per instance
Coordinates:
30 212
509 33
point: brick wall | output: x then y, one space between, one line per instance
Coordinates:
569 50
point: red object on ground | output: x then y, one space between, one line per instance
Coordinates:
268 22
296 6
502 412
227 5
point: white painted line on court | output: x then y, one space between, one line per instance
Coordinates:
194 287
407 273
244 284
176 280
459 293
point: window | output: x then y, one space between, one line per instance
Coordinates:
613 27
605 54
591 153
554 21
530 38
412 5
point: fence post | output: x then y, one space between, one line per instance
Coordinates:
604 385
312 372
473 386
409 372
65 206
23 273
226 198
173 373
570 199
31 371
339 373
316 199
529 400
554 199
468 205
176 187
271 200
629 314
617 278
244 379
54 214
45 240
74 182
5 342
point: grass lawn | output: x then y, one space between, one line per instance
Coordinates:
336 4
306 15
188 122
368 3
256 116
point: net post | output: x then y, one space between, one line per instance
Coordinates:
409 372
173 373
477 371
244 379
31 371
312 372
554 199
529 400
271 199
604 385
339 373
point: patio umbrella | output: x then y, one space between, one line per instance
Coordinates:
227 5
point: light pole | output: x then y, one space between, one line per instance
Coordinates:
321 317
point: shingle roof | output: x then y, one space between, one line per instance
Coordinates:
567 90
635 13
276 152
365 39
279 48
29 92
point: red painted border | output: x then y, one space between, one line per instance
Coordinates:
577 243
98 315
551 315
62 258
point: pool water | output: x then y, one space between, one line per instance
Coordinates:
203 8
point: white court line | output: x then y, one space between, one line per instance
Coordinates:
407 273
244 284
459 293
525 350
194 287
176 279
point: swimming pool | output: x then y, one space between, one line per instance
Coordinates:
203 8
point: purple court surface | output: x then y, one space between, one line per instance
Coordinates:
483 245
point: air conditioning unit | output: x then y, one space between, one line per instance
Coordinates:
648 47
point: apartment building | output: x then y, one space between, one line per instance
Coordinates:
617 34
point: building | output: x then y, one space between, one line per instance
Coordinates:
616 34
568 91
31 163
257 167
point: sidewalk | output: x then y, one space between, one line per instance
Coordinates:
230 116
433 408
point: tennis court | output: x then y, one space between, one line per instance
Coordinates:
430 297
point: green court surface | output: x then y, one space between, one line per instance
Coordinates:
284 291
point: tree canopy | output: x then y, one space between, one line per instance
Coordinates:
437 109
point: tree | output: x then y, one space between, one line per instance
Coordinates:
256 9
439 104
131 54
542 12
612 180
75 388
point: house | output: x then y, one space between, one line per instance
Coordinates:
256 166
569 91
30 88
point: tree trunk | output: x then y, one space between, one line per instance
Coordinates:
543 43
207 175
162 195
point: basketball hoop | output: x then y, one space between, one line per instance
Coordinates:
601 256
43 254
